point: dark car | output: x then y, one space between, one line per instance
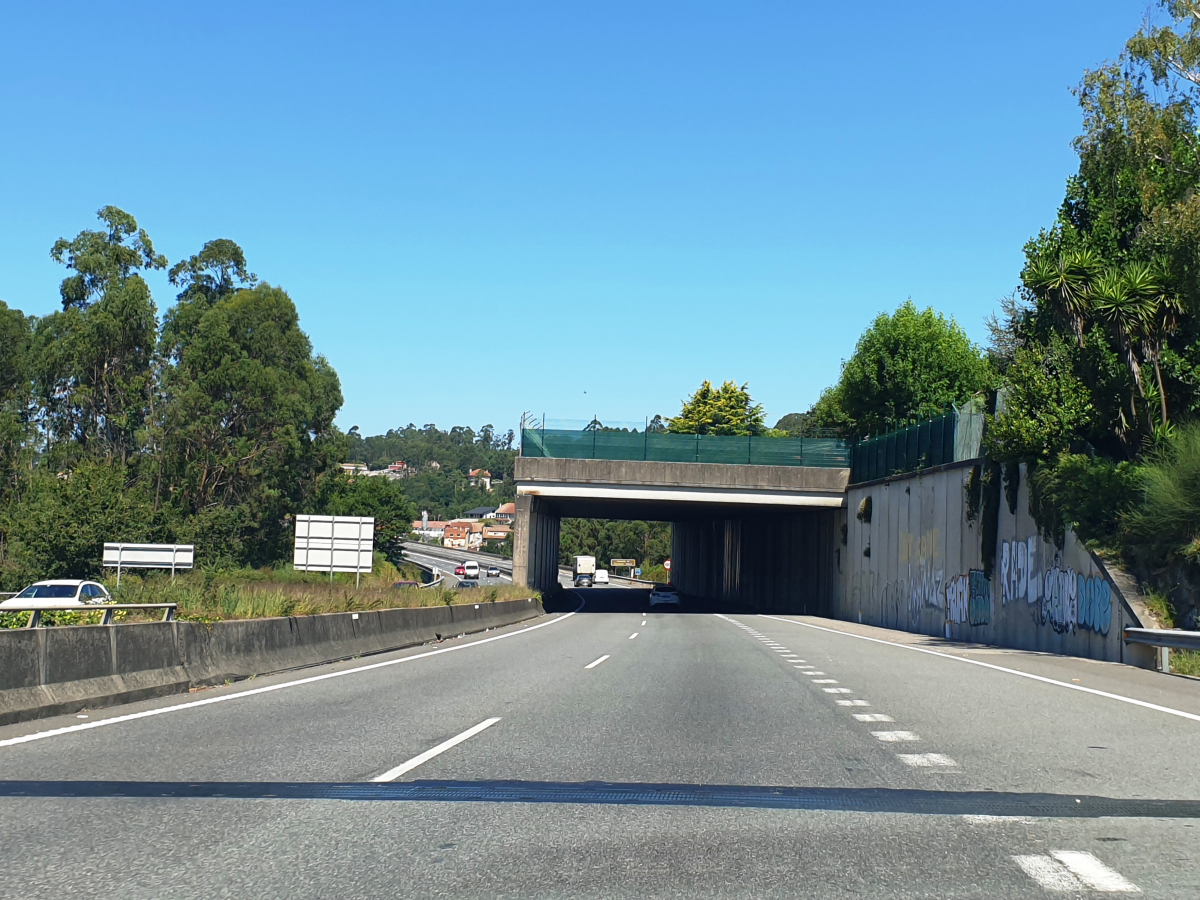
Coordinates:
405 584
468 583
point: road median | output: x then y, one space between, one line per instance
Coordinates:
54 671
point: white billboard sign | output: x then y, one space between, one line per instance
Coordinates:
148 556
334 544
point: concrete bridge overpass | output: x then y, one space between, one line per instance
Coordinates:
766 536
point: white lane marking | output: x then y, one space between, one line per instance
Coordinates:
837 690
632 636
643 621
1047 873
925 760
975 662
824 681
852 703
815 673
421 759
872 717
783 650
998 820
593 665
193 704
891 737
1094 873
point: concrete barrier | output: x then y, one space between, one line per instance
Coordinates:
52 671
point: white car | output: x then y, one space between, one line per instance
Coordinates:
664 595
60 592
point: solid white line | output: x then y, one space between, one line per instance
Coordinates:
193 704
974 662
593 665
393 774
1094 873
632 636
1047 873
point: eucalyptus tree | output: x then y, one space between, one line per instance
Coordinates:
92 363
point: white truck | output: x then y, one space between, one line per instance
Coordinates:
583 571
471 567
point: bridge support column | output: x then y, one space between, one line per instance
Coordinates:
535 544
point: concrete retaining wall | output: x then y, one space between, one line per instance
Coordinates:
917 565
51 671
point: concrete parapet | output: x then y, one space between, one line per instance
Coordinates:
52 671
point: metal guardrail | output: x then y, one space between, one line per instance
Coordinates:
1164 637
35 618
1166 640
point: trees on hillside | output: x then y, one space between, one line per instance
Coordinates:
908 365
213 430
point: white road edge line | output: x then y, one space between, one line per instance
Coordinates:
593 665
421 759
193 704
974 662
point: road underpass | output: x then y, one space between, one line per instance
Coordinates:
756 537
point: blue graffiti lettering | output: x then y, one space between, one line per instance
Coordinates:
1095 604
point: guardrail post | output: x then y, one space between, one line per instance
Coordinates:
35 618
169 614
1164 660
108 617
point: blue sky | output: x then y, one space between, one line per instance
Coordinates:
569 208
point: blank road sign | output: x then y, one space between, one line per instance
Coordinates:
334 543
149 556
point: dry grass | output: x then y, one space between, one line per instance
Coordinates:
257 594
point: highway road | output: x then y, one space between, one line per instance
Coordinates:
615 752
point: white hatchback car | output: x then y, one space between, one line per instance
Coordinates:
59 592
664 595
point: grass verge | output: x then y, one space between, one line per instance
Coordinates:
264 593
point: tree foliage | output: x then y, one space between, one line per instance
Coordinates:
908 365
727 410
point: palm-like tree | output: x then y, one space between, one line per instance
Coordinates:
1121 299
1163 310
1066 284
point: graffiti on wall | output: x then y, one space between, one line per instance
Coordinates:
969 599
1020 578
979 605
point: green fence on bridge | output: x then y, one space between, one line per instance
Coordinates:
561 443
948 438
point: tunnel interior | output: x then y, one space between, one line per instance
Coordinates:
737 556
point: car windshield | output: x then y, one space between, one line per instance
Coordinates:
51 591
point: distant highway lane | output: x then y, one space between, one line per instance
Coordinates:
619 752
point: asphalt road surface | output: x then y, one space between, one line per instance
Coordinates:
615 752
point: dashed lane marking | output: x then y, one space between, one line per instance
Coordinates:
837 690
975 662
1073 871
852 703
925 760
824 681
421 759
891 737
873 717
632 636
597 662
